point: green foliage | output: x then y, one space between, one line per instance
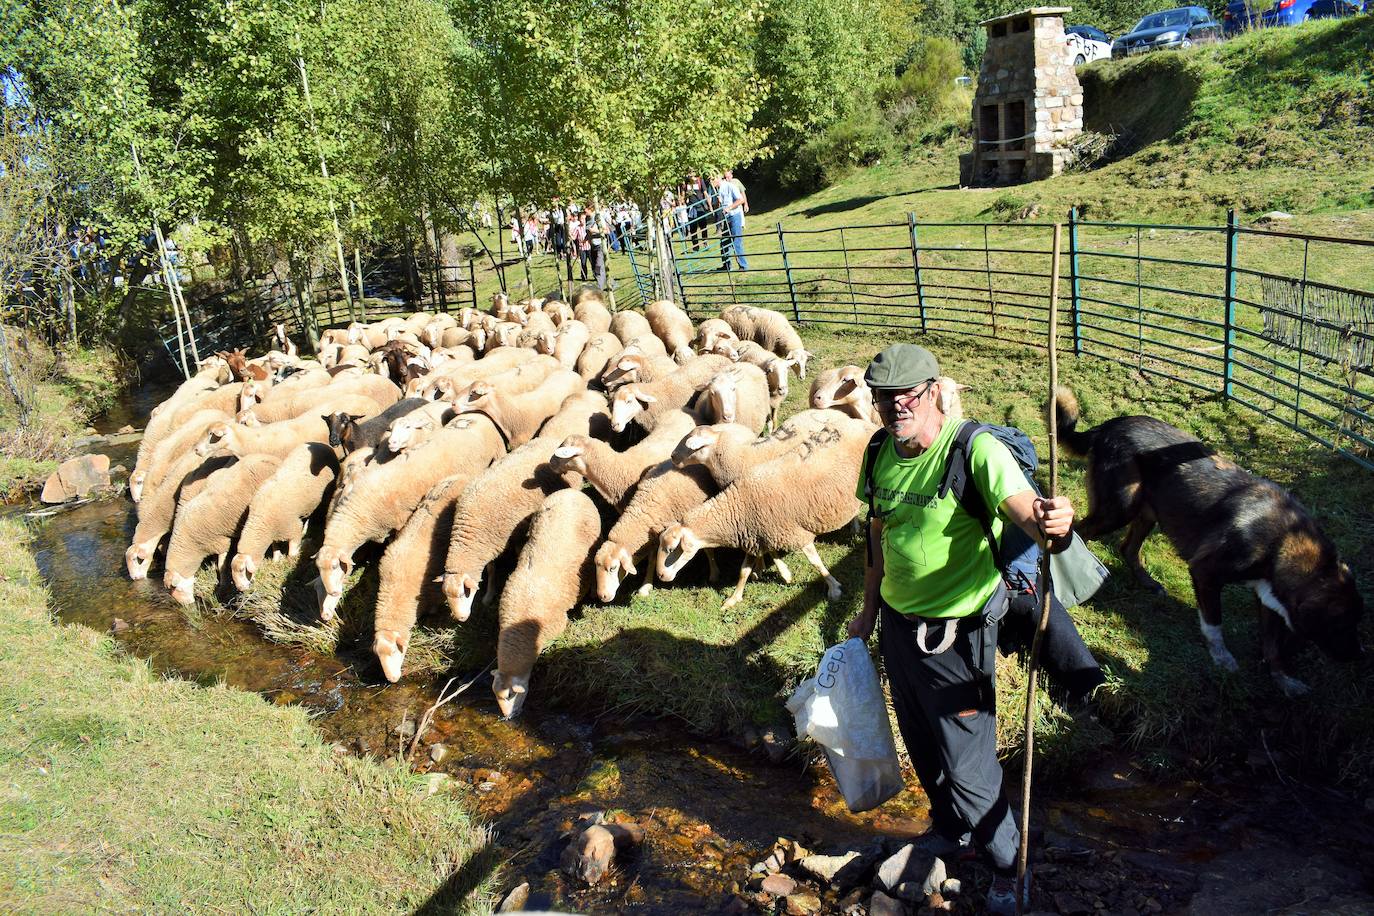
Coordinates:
859 140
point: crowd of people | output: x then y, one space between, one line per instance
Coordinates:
567 229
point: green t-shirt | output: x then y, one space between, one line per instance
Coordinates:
936 559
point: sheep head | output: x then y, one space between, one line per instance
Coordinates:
558 312
357 333
776 373
137 558
545 342
469 318
613 563
242 569
948 391
136 481
390 648
799 358
247 418
334 566
183 588
341 425
723 393
836 386
624 369
252 393
676 547
220 436
460 591
216 367
479 395
409 430
570 457
627 403
510 690
500 305
719 346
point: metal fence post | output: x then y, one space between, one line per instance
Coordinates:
1232 247
472 282
1073 282
916 266
787 269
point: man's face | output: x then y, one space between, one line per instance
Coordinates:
906 411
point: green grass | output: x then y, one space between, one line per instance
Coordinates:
66 392
125 792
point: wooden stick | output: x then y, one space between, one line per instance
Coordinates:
1046 584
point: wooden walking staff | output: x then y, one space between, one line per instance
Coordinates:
1046 585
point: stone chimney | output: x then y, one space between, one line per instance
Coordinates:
1029 102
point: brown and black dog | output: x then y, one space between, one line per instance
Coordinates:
1228 525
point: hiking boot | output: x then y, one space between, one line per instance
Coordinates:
942 847
1002 895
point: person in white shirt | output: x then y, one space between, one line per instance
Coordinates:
732 221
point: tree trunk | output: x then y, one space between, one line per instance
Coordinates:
12 380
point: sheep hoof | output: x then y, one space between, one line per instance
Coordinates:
833 591
730 602
644 589
328 605
783 572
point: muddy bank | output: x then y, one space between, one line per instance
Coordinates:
1241 840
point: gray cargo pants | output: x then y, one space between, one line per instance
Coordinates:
946 709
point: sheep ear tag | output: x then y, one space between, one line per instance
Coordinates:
566 451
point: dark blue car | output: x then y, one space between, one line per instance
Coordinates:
1250 14
1178 28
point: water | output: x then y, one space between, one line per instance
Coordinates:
1238 841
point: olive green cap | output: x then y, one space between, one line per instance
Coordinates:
902 366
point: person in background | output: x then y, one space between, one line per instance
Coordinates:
577 238
739 186
698 211
732 222
597 227
531 234
558 229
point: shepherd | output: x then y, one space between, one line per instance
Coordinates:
937 581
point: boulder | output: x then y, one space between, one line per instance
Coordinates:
76 478
803 903
844 871
589 856
881 904
516 899
778 885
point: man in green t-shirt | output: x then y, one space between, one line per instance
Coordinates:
937 587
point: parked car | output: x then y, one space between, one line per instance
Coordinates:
1293 12
1239 16
1088 44
1177 28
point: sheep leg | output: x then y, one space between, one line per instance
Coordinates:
714 575
745 569
648 585
491 593
832 584
293 547
783 571
275 555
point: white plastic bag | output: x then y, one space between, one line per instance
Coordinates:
843 710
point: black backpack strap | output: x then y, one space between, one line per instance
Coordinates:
959 480
875 445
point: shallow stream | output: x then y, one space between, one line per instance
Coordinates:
1241 842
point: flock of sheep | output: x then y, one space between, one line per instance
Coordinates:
589 443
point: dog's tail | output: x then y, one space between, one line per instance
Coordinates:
1066 422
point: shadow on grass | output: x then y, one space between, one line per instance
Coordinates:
858 203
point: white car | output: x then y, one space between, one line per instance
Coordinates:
1087 44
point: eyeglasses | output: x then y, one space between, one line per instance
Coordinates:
888 402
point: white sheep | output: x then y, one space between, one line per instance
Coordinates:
280 438
663 495
350 432
738 394
559 311
158 507
457 376
672 326
520 414
778 506
590 309
613 473
413 428
280 509
408 568
159 423
628 324
171 448
287 403
634 364
569 342
225 398
775 369
384 495
775 333
710 333
597 354
553 573
844 388
729 451
647 403
206 524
